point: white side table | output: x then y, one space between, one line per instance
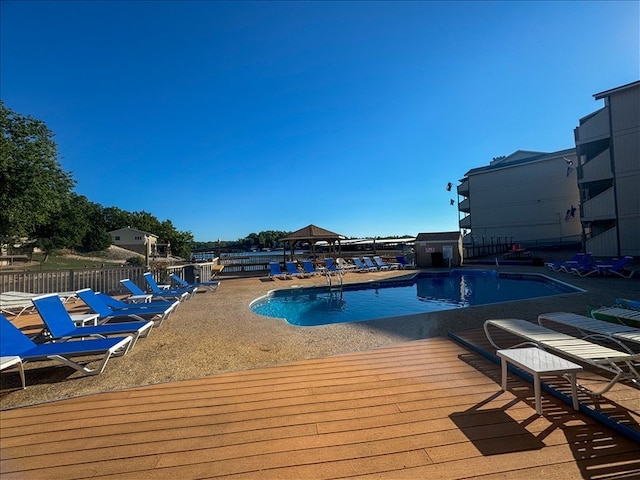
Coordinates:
538 362
12 361
146 298
82 319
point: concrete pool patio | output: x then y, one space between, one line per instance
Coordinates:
214 335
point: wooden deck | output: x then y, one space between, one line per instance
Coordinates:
423 409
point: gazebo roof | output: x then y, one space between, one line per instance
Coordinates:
312 234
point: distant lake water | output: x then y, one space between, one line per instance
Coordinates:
204 256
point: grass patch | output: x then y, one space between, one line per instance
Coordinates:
58 262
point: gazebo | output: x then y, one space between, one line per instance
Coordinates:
313 235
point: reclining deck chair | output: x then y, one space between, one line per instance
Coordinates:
331 267
593 328
615 314
572 262
15 343
345 266
155 306
402 262
165 295
211 286
275 272
567 266
384 266
140 312
622 365
308 268
612 267
372 266
361 266
292 270
156 289
60 326
15 306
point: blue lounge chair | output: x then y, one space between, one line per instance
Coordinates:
156 289
573 261
275 272
308 268
292 270
382 265
614 266
369 264
153 305
361 266
212 286
15 343
165 295
60 326
331 267
569 265
141 312
402 262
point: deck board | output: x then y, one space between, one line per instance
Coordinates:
423 409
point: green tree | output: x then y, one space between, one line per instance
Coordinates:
115 218
33 186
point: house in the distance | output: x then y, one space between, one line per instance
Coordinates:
144 243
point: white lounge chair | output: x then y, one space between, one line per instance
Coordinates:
346 266
593 328
625 316
622 365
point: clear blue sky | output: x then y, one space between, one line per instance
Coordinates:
234 117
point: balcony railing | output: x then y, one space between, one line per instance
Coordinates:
603 245
463 188
598 168
600 207
595 127
464 206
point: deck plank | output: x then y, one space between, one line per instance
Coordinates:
428 408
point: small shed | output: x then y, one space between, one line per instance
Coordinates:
441 249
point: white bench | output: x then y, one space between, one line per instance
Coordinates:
539 362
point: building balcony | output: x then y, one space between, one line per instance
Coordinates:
463 188
604 244
600 207
593 127
466 222
464 206
596 169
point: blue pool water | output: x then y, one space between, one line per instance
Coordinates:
425 292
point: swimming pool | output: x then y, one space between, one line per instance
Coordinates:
422 293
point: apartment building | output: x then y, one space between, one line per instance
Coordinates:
608 173
530 198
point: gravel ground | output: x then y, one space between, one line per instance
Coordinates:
216 332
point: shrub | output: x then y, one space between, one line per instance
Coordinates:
134 261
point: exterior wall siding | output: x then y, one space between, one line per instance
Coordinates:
530 202
620 204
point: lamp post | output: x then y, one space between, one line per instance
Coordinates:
146 251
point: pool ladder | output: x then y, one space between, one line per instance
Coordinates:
330 282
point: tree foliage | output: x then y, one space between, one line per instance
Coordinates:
37 201
33 186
